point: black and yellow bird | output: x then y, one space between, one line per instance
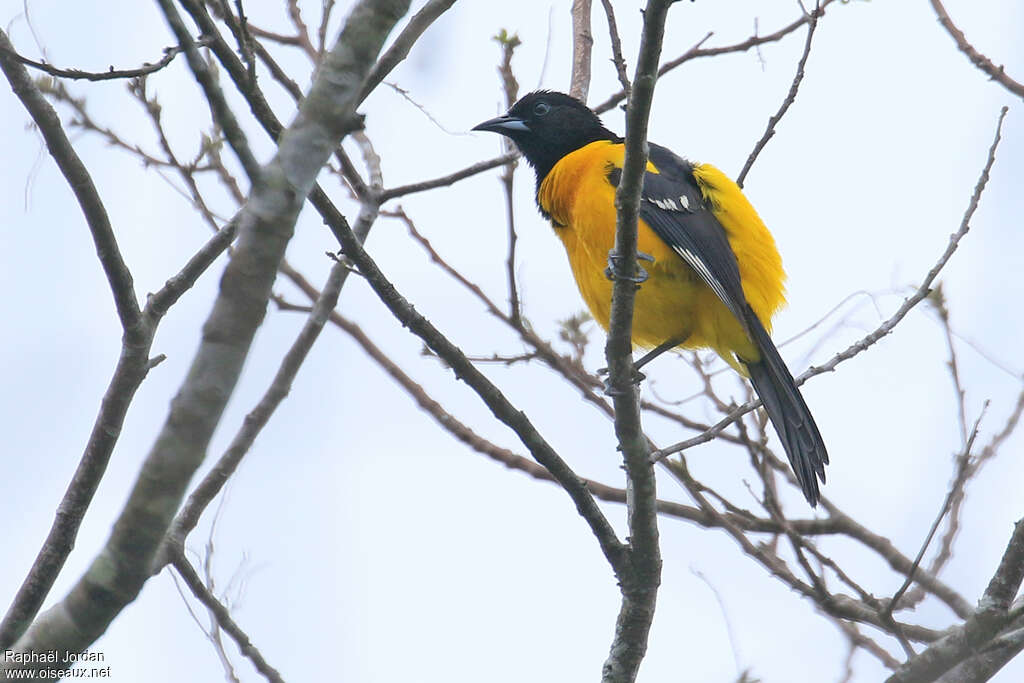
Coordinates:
714 277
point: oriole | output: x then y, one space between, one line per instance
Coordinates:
714 277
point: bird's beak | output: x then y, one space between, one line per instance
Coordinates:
504 125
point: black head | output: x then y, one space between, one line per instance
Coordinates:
546 126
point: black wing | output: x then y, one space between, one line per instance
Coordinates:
672 204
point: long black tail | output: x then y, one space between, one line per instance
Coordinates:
786 409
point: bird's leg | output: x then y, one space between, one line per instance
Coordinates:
658 350
644 360
614 260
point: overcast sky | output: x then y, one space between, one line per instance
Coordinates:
372 545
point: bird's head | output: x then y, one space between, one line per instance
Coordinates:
546 126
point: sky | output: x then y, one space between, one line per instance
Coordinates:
361 542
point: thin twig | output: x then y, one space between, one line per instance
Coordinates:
812 23
208 81
111 74
697 51
446 180
405 95
199 590
302 31
982 628
511 87
964 462
955 487
617 59
81 184
996 73
326 8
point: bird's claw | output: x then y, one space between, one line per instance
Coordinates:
614 260
610 390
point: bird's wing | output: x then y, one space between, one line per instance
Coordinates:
672 204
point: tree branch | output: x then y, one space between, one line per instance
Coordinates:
582 46
996 73
132 367
399 49
617 59
447 180
111 74
220 613
697 51
257 418
80 182
639 584
266 224
979 632
812 23
488 393
207 79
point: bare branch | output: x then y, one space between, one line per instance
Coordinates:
925 287
260 108
858 639
449 179
812 23
302 31
265 227
222 11
488 393
582 46
326 8
111 74
399 49
984 665
639 586
897 560
223 617
955 488
511 87
218 476
1008 577
80 182
839 606
996 73
617 59
219 107
982 629
697 51
132 366
965 463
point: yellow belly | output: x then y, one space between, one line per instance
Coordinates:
673 302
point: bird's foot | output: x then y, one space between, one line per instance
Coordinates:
612 272
610 390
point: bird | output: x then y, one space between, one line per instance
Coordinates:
711 275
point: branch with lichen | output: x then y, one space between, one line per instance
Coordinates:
265 226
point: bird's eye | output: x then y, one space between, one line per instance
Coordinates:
541 109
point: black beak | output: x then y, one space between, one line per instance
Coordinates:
505 125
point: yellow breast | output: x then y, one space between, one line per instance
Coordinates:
673 302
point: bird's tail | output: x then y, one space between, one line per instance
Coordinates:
788 412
